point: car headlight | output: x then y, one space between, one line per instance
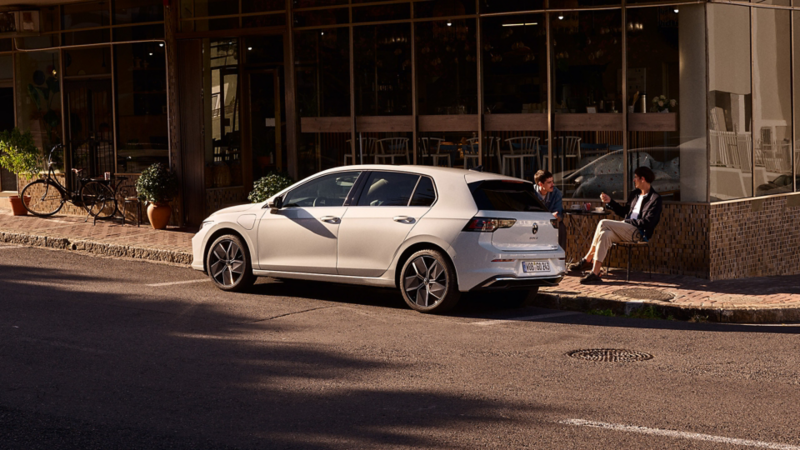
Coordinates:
205 224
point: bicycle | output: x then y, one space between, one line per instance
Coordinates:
47 195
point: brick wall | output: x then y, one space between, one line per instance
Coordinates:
755 237
680 245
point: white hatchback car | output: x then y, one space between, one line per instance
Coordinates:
431 232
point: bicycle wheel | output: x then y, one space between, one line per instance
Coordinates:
99 200
42 198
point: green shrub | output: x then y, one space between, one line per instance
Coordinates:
268 186
157 184
18 154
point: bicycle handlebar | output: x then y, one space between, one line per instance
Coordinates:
50 155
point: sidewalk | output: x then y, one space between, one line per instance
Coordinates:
750 300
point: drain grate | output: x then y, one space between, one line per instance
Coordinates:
610 355
645 294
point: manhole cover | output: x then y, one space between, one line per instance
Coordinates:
645 294
610 355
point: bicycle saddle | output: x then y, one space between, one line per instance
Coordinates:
77 171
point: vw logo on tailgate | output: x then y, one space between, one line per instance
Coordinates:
535 228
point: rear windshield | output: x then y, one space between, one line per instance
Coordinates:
500 195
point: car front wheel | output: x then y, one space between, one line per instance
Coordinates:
228 264
428 282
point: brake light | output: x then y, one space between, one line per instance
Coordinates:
487 224
554 223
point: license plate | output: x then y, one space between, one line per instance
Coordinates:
535 266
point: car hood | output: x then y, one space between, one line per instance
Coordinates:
238 209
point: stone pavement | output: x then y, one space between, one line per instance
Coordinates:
750 300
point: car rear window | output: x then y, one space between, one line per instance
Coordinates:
501 195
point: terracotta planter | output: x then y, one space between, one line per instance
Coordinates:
16 206
158 215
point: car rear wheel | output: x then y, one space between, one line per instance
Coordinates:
428 282
228 264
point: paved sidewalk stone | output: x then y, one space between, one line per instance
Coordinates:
749 300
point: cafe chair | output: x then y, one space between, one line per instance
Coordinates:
127 196
566 147
369 150
642 245
430 149
520 149
471 150
391 148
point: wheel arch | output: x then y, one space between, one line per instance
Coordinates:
415 247
221 232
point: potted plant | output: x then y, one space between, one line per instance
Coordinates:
157 185
268 186
20 156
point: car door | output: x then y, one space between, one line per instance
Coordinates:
389 206
302 235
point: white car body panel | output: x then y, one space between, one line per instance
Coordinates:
348 253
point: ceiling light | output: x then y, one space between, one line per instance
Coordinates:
675 10
161 44
151 54
560 17
249 48
519 24
449 24
322 33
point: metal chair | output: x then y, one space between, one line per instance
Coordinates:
430 148
127 196
369 149
471 151
391 148
520 148
568 147
630 246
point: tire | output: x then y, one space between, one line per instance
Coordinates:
228 264
45 198
98 199
428 282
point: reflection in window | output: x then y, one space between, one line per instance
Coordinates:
38 98
424 194
666 66
383 70
138 11
141 102
87 61
85 15
323 72
587 156
446 67
388 189
729 103
772 101
207 8
223 112
328 190
515 64
796 91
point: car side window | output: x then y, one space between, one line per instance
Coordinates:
329 190
424 194
388 189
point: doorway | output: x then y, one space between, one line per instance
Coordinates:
89 126
8 181
267 121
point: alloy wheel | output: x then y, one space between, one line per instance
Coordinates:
226 263
425 281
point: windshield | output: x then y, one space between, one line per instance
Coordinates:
502 195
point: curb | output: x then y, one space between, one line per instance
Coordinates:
623 306
98 248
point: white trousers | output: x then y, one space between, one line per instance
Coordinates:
608 232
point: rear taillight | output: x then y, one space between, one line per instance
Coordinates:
487 224
554 223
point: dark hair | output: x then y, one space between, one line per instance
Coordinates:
542 176
646 173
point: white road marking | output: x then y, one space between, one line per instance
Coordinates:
678 434
522 319
178 282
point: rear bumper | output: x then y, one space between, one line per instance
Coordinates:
505 282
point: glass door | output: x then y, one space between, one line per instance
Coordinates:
7 179
89 131
267 121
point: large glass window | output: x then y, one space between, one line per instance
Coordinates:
447 81
586 155
666 72
38 98
772 101
141 103
383 69
729 102
796 91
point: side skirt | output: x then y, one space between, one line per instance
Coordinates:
363 281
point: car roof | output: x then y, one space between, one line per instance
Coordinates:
436 172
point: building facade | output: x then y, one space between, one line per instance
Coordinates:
227 91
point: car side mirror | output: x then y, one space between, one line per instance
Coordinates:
276 203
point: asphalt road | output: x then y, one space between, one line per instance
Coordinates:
94 357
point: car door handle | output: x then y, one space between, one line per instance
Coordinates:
330 219
403 219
